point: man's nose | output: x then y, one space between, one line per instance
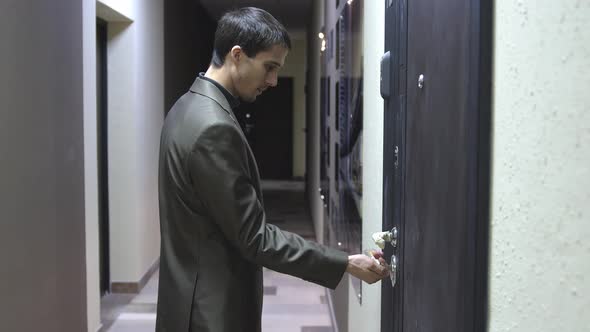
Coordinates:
272 79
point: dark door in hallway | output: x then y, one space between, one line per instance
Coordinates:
268 124
102 157
436 159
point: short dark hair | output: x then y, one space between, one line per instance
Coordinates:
253 29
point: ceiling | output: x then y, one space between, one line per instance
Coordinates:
294 14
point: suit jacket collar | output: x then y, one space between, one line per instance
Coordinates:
233 101
209 90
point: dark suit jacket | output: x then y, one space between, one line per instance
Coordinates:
214 234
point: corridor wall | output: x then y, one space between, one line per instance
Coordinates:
135 56
91 206
313 120
366 315
294 67
351 313
42 222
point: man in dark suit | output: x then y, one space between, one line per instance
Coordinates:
215 238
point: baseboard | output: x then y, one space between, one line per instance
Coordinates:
135 287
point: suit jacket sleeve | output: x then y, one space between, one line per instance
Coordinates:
219 171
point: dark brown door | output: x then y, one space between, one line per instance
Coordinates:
436 161
268 124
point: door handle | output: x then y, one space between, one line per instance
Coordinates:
393 270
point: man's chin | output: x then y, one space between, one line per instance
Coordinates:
250 99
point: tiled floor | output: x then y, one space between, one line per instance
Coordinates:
290 304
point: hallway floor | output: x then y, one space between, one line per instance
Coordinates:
290 304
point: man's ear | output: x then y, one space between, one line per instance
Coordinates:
236 53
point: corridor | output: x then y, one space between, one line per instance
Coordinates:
458 129
290 304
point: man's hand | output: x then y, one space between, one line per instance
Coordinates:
366 269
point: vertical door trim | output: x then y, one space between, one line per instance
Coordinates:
479 100
394 135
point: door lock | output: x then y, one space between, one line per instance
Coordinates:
380 238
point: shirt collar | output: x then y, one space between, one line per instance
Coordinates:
231 99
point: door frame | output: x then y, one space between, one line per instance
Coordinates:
479 155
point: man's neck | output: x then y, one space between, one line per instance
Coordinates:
221 76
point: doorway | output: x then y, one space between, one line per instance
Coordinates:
436 164
102 157
268 125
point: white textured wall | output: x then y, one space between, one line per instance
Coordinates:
136 112
295 67
367 317
540 253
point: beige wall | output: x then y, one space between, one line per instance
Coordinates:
42 189
91 166
366 317
350 314
295 67
540 253
136 111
